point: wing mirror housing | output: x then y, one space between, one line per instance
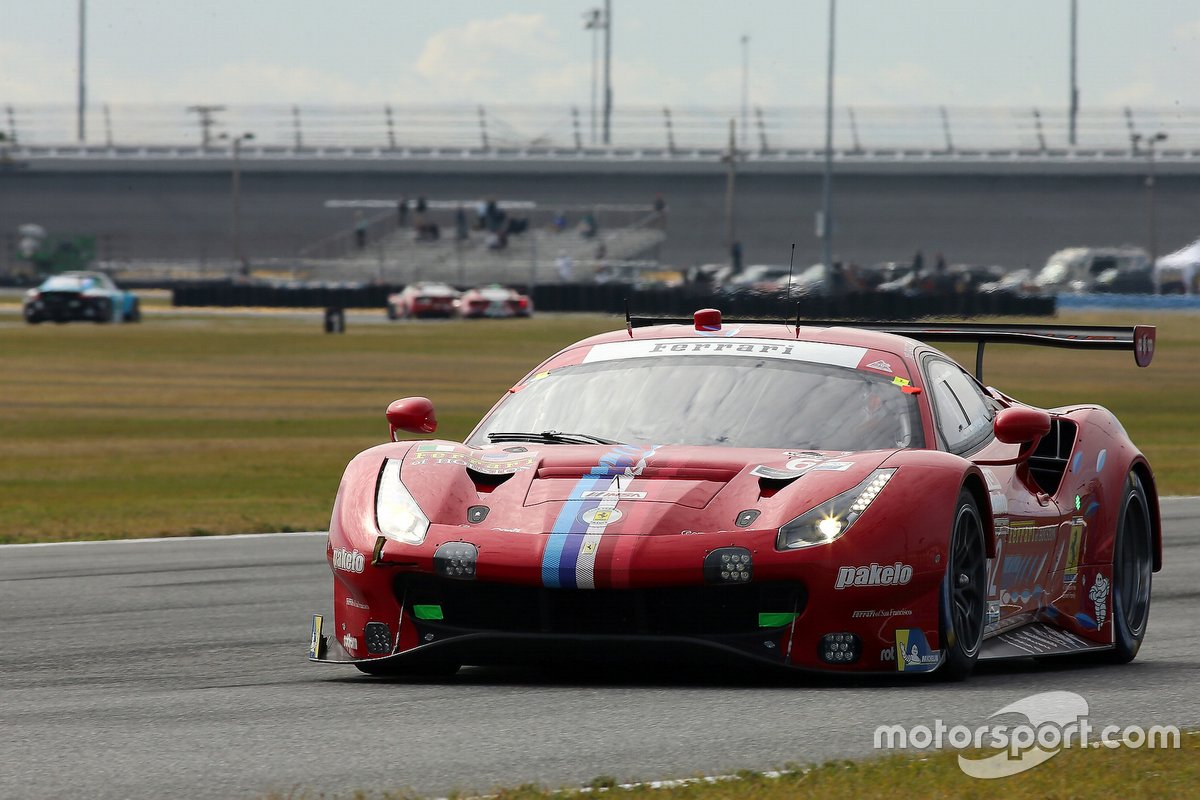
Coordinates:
412 415
1019 425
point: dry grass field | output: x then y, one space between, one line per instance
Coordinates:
193 423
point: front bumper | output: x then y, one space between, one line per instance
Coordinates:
397 609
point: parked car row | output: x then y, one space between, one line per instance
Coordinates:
426 299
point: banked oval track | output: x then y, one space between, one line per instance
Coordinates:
176 668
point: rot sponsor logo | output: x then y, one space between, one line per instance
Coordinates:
896 574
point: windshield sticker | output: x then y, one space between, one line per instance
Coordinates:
837 355
880 365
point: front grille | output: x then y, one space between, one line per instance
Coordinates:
677 611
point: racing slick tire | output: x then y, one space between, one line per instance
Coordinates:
32 317
391 312
103 310
964 593
432 669
134 314
1133 567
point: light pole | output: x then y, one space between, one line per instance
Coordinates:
1073 107
594 21
82 74
1151 216
745 91
236 188
826 226
607 71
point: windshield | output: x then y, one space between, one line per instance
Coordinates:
715 400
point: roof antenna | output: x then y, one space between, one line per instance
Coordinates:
628 321
792 260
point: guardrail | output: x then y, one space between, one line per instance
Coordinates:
286 131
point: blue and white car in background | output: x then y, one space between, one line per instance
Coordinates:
89 296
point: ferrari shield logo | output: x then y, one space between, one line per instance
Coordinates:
601 516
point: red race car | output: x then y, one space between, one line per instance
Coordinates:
494 301
422 300
818 497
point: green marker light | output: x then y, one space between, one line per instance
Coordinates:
427 612
1078 504
775 620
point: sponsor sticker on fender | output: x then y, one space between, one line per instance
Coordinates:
896 574
348 560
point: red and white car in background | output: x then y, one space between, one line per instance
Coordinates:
420 300
494 301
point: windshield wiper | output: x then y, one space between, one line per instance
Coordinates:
549 437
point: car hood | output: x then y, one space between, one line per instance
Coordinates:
666 490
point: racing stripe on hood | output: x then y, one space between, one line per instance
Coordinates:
565 554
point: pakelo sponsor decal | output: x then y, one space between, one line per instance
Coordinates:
348 560
896 574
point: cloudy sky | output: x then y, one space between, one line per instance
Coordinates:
677 52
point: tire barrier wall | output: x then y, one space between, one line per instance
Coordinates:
611 298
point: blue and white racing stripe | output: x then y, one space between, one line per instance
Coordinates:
570 553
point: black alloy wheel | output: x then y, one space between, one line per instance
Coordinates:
964 592
1133 567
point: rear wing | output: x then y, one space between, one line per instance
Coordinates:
1139 339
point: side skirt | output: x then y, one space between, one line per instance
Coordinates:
1036 639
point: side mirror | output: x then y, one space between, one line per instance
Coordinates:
1020 424
413 415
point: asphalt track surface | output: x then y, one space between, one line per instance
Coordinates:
150 669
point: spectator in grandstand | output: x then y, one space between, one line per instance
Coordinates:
460 224
360 230
481 213
735 257
560 222
564 266
402 212
660 212
588 227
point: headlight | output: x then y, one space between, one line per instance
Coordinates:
831 519
396 512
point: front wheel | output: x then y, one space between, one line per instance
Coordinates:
134 314
964 592
1133 566
103 310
